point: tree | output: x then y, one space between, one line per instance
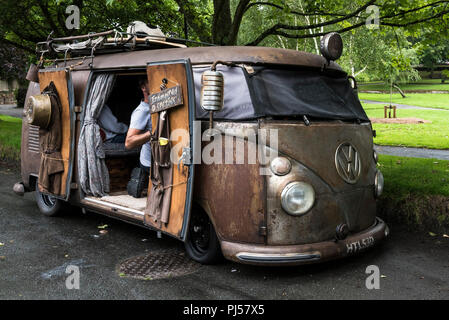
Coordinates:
23 23
13 62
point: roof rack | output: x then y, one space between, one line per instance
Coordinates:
108 42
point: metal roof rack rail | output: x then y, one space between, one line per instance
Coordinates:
108 42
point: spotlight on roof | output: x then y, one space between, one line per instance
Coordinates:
331 46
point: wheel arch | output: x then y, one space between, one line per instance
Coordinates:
203 204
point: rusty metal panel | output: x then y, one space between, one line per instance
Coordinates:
29 160
312 149
316 145
208 55
235 196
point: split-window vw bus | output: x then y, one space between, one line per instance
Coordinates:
261 155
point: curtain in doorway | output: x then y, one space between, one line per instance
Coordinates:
93 173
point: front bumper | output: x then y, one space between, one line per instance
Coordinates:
306 253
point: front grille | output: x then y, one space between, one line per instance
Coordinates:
33 139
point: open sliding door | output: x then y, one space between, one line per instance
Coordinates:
62 81
172 105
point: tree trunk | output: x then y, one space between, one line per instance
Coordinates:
222 22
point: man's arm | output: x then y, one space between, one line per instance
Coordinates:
136 138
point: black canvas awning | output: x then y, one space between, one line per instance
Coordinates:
280 92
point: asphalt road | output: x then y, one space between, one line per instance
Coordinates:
413 152
11 110
35 250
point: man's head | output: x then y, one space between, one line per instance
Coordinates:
143 85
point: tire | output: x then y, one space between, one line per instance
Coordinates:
202 244
48 205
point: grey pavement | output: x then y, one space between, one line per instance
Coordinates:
36 250
412 152
401 106
11 110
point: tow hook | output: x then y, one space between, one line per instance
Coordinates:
19 188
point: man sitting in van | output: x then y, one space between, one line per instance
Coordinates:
139 134
111 130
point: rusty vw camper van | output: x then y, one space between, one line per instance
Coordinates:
309 194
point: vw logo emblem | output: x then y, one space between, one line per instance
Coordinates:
347 162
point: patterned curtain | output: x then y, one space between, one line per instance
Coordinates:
93 173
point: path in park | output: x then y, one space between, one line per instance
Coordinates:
401 106
413 152
11 110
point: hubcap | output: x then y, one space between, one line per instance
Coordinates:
200 234
48 200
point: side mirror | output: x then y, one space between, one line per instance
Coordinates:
32 74
38 110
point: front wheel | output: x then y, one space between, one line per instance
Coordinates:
48 205
202 244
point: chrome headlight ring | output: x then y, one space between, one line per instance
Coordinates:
297 198
378 184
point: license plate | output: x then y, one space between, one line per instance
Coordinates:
360 245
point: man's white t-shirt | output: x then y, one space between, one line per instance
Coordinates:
141 120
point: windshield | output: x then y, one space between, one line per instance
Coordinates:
280 92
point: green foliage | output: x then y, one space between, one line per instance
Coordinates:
444 75
20 95
410 31
13 62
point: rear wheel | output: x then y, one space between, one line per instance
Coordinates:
202 244
48 205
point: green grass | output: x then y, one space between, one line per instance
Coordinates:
405 176
427 100
434 135
10 136
416 193
424 85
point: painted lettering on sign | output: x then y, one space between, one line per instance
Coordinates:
166 99
359 245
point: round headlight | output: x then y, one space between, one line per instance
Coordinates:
375 156
297 198
280 166
378 183
331 46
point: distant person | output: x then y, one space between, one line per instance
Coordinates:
111 130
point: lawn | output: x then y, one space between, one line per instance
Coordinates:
434 135
405 176
424 85
10 135
427 100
